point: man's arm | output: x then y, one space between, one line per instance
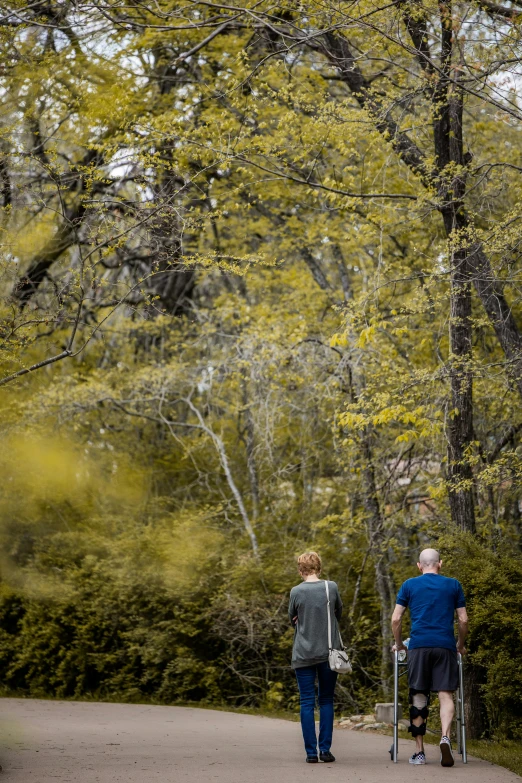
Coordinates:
463 629
396 624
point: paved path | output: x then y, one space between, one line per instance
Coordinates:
82 742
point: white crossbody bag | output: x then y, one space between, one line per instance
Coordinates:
337 659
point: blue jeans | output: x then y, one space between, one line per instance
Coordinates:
306 683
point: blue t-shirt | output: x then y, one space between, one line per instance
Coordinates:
432 600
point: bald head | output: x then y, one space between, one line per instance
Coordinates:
429 560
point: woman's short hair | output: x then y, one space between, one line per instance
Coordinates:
309 563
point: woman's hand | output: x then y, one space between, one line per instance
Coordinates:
294 620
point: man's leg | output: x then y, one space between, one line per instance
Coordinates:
306 682
419 682
418 718
445 681
447 711
327 680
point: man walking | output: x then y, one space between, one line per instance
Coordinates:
432 652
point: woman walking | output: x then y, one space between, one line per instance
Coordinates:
308 614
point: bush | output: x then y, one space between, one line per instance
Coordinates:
492 582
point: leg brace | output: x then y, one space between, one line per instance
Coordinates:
419 702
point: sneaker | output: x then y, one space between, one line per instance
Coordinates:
446 754
417 758
312 760
326 756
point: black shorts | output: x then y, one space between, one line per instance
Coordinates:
433 669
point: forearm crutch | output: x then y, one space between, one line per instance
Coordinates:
461 718
395 706
398 658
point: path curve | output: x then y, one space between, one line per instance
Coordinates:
88 742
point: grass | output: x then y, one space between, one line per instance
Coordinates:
267 713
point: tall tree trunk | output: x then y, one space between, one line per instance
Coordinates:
250 451
448 143
474 709
381 582
460 420
377 542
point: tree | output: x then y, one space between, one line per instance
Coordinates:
285 244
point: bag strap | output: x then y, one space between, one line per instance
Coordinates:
330 619
328 613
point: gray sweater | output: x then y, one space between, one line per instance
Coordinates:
308 603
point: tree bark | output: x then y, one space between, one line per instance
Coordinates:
474 710
460 420
448 143
66 235
376 531
490 291
250 452
38 269
6 193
